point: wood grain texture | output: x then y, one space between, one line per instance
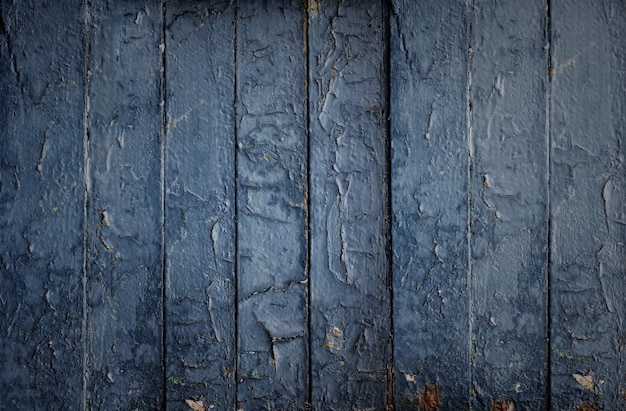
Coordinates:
199 236
429 200
41 205
508 203
588 204
124 206
350 314
272 364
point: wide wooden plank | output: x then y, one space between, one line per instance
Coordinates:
508 203
429 200
588 205
350 313
272 357
199 238
41 205
125 120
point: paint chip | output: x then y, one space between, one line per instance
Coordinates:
586 381
195 405
409 378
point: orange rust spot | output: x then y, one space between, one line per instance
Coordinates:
587 406
504 405
430 400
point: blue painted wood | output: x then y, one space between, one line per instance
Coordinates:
139 132
350 313
430 204
199 219
41 205
508 203
125 222
588 205
272 365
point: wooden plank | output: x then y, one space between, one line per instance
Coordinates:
588 205
272 357
124 335
350 313
508 204
200 289
41 204
429 199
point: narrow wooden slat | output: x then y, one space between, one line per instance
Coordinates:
509 203
125 206
41 205
350 314
200 306
429 200
588 205
271 207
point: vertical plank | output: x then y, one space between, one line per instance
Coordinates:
429 200
272 366
41 204
200 306
588 204
124 206
350 314
509 203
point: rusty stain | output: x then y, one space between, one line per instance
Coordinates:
504 405
587 406
430 400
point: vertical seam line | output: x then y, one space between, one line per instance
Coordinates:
163 136
307 194
386 80
235 211
548 34
86 189
470 151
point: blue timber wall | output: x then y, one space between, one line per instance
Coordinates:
322 205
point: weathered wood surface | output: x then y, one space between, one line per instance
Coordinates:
350 317
272 356
508 202
200 205
429 190
41 206
464 166
124 223
588 205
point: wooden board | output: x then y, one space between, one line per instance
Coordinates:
272 356
588 205
350 298
429 191
41 205
508 203
200 204
124 207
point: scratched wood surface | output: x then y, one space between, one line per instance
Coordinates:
303 204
